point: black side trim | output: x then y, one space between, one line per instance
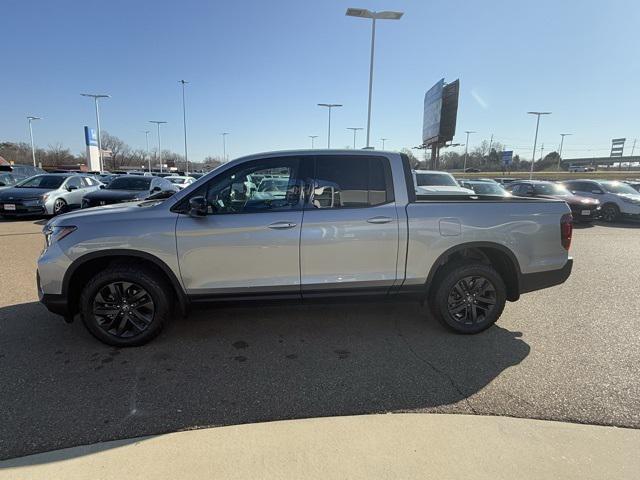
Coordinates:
182 297
537 281
55 304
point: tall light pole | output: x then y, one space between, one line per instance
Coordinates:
355 129
535 139
562 135
466 150
364 13
329 107
146 136
158 123
224 146
184 124
96 97
312 137
383 140
33 148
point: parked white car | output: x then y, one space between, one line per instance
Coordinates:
433 182
618 199
181 181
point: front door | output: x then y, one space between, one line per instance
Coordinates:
349 237
248 243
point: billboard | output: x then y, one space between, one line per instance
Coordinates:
507 157
440 112
617 147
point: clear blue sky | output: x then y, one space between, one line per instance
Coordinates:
258 68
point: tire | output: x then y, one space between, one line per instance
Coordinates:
453 304
610 212
59 206
134 312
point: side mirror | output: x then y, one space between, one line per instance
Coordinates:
598 192
102 187
156 189
71 188
197 206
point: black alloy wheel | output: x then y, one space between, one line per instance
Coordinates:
471 300
123 309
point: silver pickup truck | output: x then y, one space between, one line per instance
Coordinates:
299 225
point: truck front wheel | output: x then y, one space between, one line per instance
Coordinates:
125 306
468 298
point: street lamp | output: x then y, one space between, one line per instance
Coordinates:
535 140
312 137
355 129
146 135
383 140
364 13
224 145
96 97
329 106
562 135
33 148
184 124
466 150
158 123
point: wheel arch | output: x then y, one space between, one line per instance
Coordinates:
494 254
83 267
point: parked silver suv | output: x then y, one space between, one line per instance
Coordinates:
296 225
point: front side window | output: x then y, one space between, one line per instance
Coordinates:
259 186
130 182
74 182
351 182
435 179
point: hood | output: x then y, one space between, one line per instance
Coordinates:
117 195
443 190
116 208
13 193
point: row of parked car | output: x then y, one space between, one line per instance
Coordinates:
43 193
589 199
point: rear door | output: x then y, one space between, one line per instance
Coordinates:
349 238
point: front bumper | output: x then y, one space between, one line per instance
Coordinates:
22 209
530 282
585 214
55 303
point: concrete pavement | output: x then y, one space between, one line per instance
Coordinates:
392 446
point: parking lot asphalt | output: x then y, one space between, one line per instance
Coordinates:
570 353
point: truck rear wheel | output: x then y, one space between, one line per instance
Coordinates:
125 306
468 298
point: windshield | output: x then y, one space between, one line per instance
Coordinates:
486 188
550 189
176 180
130 183
435 179
273 185
618 187
7 179
42 181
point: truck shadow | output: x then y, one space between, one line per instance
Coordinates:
226 366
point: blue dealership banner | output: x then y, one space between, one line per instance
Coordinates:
90 137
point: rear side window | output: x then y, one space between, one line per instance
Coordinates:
351 182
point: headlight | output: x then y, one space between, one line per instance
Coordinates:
55 234
45 197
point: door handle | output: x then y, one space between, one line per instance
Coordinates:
282 225
379 220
